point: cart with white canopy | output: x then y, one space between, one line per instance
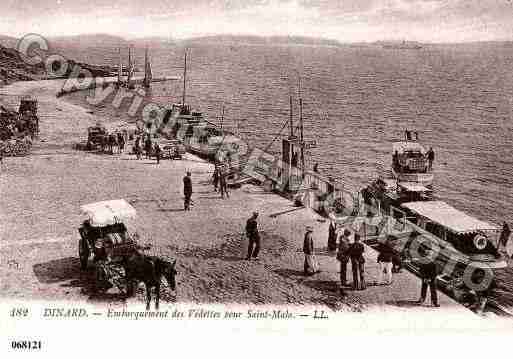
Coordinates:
105 238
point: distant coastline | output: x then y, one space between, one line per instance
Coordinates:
400 45
94 42
262 40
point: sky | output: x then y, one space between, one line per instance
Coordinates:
343 20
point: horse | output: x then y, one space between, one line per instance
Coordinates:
149 270
103 141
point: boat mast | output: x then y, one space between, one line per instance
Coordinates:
146 82
301 126
120 66
291 118
222 117
129 66
184 76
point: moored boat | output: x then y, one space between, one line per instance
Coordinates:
469 239
197 133
477 240
383 194
410 161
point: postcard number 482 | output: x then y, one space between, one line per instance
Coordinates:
19 312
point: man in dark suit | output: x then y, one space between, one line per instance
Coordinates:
223 187
187 191
158 151
431 158
428 274
253 237
356 250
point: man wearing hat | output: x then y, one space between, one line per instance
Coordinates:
428 273
343 256
504 237
253 237
311 266
356 250
187 191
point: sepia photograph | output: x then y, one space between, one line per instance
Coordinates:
216 169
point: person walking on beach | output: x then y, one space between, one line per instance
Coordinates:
506 232
137 148
222 184
311 266
428 274
357 263
148 147
187 191
431 158
158 151
253 237
343 256
215 177
385 263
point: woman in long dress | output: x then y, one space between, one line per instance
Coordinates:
311 265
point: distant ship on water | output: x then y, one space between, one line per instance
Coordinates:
401 45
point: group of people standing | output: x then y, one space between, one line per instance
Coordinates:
150 148
352 251
121 140
114 140
219 181
347 251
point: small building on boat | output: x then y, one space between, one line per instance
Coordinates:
410 163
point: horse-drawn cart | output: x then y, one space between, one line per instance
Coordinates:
107 243
97 137
105 240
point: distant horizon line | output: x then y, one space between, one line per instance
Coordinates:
342 42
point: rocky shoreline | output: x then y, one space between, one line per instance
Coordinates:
13 68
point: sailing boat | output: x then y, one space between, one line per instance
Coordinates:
199 135
147 70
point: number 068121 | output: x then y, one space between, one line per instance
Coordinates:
26 344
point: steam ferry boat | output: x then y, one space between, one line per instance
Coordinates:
410 161
407 200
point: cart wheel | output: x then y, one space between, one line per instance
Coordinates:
83 253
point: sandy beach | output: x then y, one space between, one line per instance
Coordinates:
39 218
